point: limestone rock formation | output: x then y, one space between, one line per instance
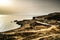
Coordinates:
46 27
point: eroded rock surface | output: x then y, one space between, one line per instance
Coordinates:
46 27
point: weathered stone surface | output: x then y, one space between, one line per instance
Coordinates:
46 27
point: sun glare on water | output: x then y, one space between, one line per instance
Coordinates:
6 24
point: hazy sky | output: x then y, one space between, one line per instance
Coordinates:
29 7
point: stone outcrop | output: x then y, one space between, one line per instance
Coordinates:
46 27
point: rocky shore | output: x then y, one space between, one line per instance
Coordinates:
45 27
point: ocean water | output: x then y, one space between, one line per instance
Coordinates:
7 22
